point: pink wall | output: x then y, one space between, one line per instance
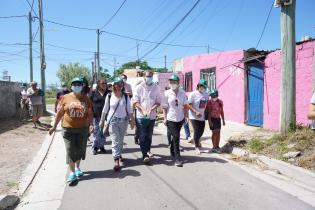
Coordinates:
304 85
164 77
229 80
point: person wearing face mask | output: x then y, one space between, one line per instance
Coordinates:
146 99
127 87
116 114
174 106
76 111
97 97
197 101
215 113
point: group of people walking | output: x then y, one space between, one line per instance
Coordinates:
103 113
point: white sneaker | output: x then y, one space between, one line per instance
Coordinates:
198 151
191 140
150 154
146 160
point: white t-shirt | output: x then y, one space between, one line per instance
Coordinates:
24 94
147 96
122 107
313 102
174 104
34 99
199 102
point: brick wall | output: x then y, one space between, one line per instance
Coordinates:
9 98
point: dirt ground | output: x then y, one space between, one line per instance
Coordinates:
19 143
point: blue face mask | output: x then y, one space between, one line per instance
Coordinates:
149 80
76 89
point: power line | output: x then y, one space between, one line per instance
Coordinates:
32 7
70 26
262 33
110 19
172 30
12 16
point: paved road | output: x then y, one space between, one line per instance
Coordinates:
205 182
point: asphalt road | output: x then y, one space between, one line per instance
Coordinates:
205 182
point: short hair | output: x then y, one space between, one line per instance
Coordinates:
148 71
33 83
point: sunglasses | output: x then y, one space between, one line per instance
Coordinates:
176 102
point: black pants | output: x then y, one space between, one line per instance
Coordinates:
136 126
169 136
174 130
199 128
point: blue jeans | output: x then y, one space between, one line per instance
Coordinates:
97 137
145 136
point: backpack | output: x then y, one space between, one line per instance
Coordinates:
109 96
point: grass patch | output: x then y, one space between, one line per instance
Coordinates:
11 184
50 100
255 145
302 139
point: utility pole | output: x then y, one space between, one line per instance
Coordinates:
208 49
42 51
98 53
288 71
138 62
165 63
93 72
30 45
114 66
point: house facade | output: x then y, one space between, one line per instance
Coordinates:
249 82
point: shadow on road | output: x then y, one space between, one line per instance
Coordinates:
88 175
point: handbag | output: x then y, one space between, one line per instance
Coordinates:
106 129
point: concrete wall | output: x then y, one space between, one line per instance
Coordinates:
304 85
9 99
229 80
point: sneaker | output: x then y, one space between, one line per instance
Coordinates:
103 150
150 154
72 178
95 151
146 160
198 151
216 150
181 148
116 166
121 159
191 140
178 163
78 172
136 141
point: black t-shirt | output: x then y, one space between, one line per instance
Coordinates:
61 93
98 102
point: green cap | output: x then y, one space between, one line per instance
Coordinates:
77 79
117 80
214 93
203 83
174 77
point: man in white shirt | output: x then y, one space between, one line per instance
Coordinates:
35 96
127 87
146 99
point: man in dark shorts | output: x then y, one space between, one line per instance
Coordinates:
215 113
65 90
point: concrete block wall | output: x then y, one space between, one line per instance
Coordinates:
9 99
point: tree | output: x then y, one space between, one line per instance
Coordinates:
132 65
69 71
104 73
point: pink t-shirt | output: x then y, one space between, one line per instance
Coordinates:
215 108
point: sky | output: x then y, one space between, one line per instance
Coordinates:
221 24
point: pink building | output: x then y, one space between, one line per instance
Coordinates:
249 82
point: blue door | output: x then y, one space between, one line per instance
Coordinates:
255 111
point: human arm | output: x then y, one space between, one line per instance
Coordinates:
222 114
311 109
104 112
190 107
58 118
90 117
208 107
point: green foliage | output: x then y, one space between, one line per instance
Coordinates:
132 65
50 100
67 72
255 145
104 73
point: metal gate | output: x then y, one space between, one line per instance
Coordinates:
255 94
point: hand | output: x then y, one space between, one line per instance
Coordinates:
91 129
52 130
210 124
101 124
198 114
165 122
132 124
223 122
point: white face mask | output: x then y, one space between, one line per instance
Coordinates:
174 86
214 99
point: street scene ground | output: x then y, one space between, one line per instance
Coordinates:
19 143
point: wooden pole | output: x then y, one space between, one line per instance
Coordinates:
288 71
